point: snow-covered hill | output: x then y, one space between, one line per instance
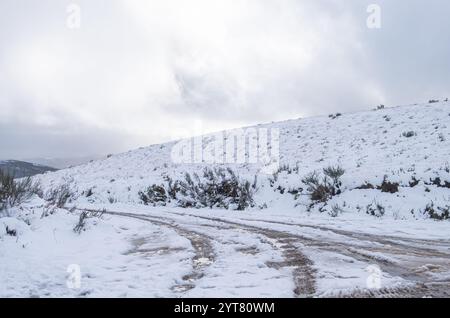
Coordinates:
408 145
287 244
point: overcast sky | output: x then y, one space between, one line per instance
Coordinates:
141 72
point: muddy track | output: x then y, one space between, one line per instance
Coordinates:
303 272
303 267
204 252
385 239
418 290
421 285
394 245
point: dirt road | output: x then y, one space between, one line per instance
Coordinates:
422 265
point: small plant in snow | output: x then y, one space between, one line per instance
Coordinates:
375 209
288 169
334 116
409 134
388 187
318 191
58 196
11 232
14 192
336 210
173 187
397 216
366 186
447 167
437 213
335 173
80 226
112 200
84 216
153 195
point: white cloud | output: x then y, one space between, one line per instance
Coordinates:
148 70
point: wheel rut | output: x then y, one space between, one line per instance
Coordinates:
204 252
302 266
420 284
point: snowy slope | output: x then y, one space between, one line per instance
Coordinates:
400 143
282 247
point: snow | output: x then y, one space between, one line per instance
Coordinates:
286 249
117 257
126 257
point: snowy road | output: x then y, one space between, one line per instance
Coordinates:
247 257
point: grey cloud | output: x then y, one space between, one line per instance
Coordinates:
23 140
139 72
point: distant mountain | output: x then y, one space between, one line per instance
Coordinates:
22 169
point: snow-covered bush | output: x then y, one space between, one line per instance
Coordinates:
288 169
112 200
335 173
215 188
84 216
153 195
89 193
321 189
335 211
389 187
14 192
437 213
375 209
318 190
58 196
11 227
173 187
409 134
438 182
334 116
218 188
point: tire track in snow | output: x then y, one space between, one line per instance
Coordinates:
399 242
419 290
419 283
303 272
204 252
